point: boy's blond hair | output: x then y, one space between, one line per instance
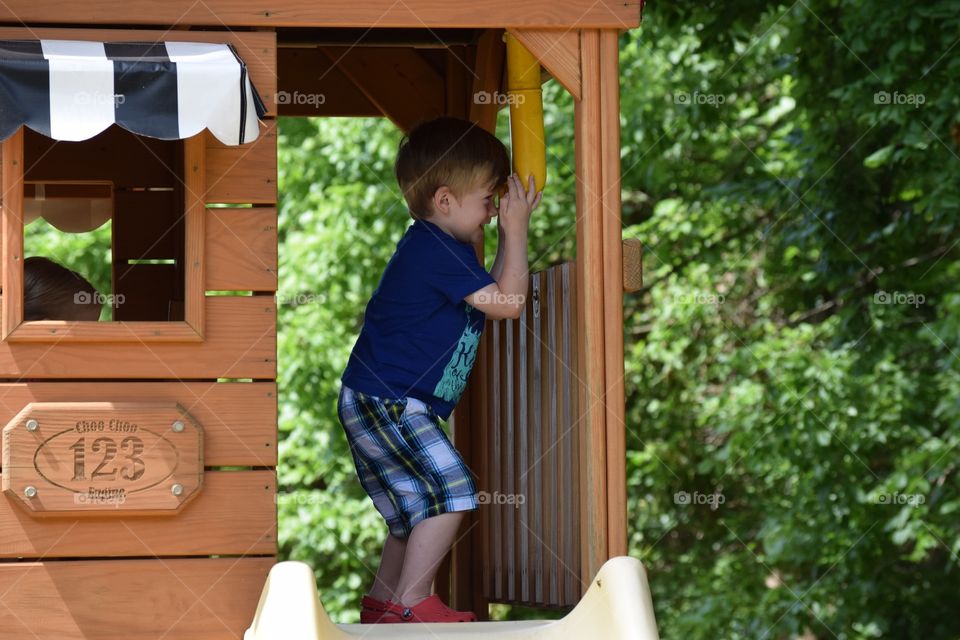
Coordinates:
448 152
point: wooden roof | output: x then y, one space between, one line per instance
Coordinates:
556 14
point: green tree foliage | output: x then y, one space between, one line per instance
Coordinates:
792 360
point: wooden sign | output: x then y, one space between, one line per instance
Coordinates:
102 458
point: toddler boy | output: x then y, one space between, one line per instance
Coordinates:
417 346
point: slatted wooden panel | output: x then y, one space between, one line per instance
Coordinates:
532 531
199 598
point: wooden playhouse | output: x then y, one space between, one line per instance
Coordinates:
139 455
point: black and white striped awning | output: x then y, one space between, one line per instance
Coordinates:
73 90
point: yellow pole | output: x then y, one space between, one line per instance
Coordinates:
526 113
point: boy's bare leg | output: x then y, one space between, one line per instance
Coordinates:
391 564
428 544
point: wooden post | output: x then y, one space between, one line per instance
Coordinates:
613 297
600 302
587 132
12 197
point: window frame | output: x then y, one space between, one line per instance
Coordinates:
12 326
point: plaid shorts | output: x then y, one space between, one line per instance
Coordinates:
404 460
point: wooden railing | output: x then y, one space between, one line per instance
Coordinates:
531 462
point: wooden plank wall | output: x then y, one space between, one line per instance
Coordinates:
531 530
198 573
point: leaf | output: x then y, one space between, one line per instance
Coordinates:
879 157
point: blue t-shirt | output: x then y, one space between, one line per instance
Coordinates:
419 336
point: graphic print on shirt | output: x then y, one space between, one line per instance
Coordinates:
455 374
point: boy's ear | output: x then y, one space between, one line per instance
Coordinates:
441 199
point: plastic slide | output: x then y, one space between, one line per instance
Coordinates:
616 606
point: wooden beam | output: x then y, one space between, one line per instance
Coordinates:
309 84
590 310
558 52
457 81
399 82
195 221
487 77
614 399
600 301
582 14
12 198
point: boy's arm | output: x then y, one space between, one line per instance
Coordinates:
505 298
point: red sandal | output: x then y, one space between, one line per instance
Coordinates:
373 611
430 609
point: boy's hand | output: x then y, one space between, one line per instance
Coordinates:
513 215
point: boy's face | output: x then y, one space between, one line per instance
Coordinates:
464 217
